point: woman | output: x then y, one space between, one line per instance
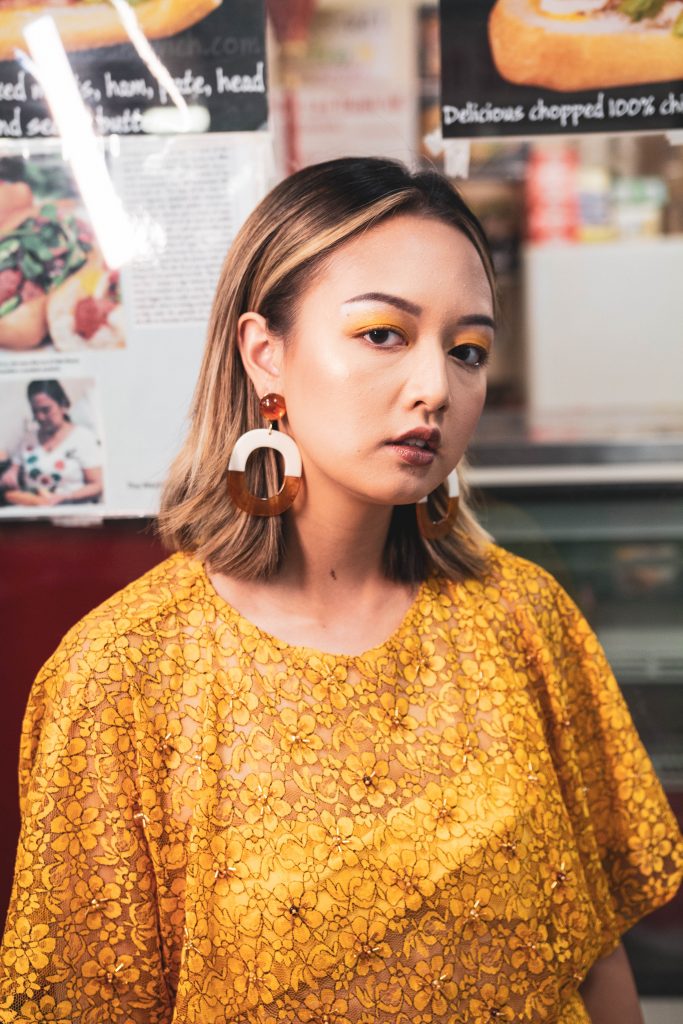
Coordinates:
448 818
62 463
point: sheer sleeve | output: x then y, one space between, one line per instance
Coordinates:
626 833
81 940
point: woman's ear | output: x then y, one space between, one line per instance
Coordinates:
261 352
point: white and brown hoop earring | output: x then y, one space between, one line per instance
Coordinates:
434 531
273 408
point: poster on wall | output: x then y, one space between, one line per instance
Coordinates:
560 67
97 367
350 93
135 61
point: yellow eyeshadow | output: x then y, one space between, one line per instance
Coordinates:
375 323
480 340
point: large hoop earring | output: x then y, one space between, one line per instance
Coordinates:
273 408
435 531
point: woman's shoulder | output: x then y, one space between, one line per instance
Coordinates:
81 436
168 591
80 430
27 443
527 606
509 578
104 662
518 595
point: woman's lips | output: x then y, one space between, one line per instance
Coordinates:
411 454
418 445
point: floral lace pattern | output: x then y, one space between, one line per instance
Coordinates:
218 826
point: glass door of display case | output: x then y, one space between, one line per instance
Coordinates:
619 553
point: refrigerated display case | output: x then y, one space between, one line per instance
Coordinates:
617 548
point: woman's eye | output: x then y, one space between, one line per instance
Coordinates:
383 337
470 355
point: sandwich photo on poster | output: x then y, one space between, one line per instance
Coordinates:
84 24
137 62
56 294
540 67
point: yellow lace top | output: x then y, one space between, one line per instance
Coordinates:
220 827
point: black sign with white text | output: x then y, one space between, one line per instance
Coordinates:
213 51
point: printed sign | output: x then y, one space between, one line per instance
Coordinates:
134 58
545 67
97 367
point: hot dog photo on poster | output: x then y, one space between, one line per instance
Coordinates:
85 24
540 67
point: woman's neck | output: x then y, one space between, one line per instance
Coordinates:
331 593
330 550
56 436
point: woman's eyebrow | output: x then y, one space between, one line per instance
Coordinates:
476 320
391 300
469 320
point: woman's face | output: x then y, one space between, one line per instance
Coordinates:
48 414
390 340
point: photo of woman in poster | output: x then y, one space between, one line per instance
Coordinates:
57 462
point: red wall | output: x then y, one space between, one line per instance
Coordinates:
49 577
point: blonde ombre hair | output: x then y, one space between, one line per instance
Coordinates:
283 245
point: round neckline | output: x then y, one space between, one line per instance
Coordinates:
59 444
301 651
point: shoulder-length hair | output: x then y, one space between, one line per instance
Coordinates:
276 255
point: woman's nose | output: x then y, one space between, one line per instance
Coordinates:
427 382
